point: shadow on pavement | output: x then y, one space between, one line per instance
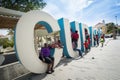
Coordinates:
64 62
36 76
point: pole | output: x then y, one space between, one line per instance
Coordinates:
114 32
116 19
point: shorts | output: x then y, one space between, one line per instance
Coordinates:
48 59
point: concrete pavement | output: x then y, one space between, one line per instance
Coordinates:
2 58
8 58
101 63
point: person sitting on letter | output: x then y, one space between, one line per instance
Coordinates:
44 55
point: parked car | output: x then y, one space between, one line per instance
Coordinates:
108 35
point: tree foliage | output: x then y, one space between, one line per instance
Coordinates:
5 42
23 5
110 27
10 32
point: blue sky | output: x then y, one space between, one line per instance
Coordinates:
89 12
3 32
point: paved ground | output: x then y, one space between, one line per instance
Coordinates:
98 64
9 58
2 58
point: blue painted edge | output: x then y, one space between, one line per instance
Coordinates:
46 25
52 50
99 33
94 32
16 53
81 36
90 29
49 29
72 26
62 37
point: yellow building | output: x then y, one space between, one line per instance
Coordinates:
101 26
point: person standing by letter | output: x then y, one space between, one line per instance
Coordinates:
75 37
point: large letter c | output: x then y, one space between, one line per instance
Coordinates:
24 39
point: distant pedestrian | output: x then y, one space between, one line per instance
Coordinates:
101 41
94 37
86 46
89 42
103 36
97 39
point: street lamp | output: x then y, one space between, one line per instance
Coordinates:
116 20
114 31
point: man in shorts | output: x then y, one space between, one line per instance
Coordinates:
44 55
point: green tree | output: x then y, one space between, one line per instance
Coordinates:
10 32
119 31
110 27
4 42
23 5
11 41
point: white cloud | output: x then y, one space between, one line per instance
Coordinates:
76 5
51 8
86 11
72 7
3 32
68 9
118 4
89 2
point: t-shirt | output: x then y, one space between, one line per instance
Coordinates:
75 36
86 44
45 51
88 40
101 40
73 45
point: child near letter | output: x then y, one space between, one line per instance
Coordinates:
86 46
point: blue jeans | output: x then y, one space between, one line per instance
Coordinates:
80 53
75 41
